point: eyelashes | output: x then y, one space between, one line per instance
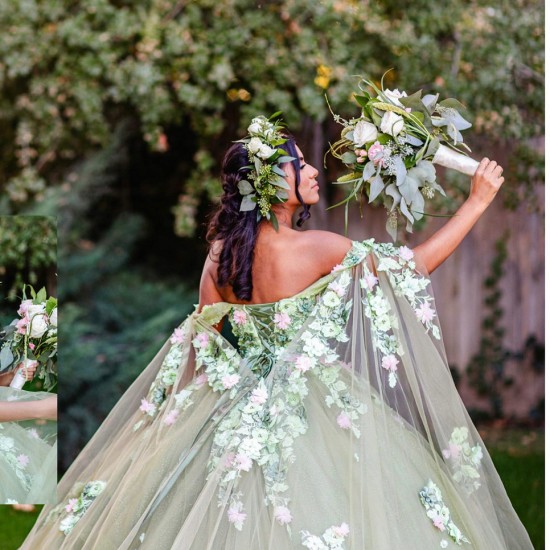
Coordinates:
303 166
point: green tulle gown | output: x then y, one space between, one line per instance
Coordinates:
330 422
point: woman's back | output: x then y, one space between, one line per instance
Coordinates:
285 262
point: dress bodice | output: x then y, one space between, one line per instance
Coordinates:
263 330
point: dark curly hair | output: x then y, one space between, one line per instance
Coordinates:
239 230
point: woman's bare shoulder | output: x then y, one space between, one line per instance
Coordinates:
325 248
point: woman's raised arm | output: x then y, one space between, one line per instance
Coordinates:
14 411
485 184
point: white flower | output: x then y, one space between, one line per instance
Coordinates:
254 128
254 145
364 132
392 124
36 309
53 317
39 325
331 299
265 151
394 95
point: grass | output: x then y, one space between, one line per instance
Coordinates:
518 456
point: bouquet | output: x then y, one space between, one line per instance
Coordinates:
32 338
392 146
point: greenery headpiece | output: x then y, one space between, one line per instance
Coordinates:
266 182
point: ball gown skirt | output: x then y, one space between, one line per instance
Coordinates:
329 421
28 455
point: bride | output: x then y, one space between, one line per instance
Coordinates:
306 402
28 449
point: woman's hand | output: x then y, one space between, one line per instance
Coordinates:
486 182
29 371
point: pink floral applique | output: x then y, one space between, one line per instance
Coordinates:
304 363
201 380
243 462
23 461
71 504
259 396
439 522
335 286
425 313
147 407
389 362
406 253
171 417
177 336
371 280
282 515
202 339
337 267
282 320
229 380
239 316
344 421
341 530
236 516
452 452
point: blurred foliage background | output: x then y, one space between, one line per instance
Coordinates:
114 115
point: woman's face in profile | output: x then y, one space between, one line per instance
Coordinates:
309 188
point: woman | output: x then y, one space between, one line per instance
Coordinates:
332 420
28 448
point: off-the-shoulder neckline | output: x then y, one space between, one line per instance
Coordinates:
319 282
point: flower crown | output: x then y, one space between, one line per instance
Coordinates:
266 182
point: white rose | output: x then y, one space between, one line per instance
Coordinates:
394 95
392 124
364 132
53 317
36 309
254 128
254 145
39 325
265 151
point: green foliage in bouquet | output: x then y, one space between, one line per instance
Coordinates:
389 148
33 336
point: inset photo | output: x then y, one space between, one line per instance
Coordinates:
28 361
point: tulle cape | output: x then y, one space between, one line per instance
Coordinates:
334 423
28 455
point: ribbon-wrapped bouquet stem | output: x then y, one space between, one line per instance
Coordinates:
392 146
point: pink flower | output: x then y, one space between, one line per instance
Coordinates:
338 288
24 307
438 522
177 336
70 506
425 313
31 345
408 109
201 339
371 280
344 421
23 461
235 516
304 363
452 452
282 515
282 320
341 530
376 153
201 380
243 462
239 316
229 380
337 267
259 396
389 362
147 407
22 325
33 433
360 160
406 253
228 462
171 417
